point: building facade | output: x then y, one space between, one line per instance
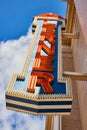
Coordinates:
76 26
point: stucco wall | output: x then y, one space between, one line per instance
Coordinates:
72 121
81 7
80 65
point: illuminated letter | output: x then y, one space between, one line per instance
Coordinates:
43 79
45 48
43 63
49 33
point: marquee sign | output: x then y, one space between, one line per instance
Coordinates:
41 88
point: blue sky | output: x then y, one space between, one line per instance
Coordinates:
16 15
15 36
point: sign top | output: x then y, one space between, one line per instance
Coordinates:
50 15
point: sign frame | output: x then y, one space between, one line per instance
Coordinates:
44 104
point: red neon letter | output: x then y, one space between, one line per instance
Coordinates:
43 63
45 48
43 79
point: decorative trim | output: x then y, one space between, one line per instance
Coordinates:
70 35
76 75
35 111
61 78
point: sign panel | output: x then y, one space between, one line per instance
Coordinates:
41 88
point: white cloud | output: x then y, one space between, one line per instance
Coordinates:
12 57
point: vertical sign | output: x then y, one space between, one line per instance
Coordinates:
38 89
